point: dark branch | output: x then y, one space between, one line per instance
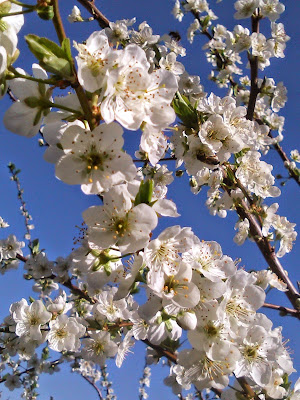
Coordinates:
95 12
284 310
253 60
268 252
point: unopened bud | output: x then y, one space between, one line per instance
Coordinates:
179 172
45 12
187 320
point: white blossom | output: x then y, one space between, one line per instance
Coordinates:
64 333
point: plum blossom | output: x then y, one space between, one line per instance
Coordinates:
94 158
64 333
207 258
162 255
24 117
108 308
134 96
94 58
118 223
256 175
10 247
98 347
30 318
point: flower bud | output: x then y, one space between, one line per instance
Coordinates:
187 320
45 12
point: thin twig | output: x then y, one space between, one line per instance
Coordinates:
94 386
57 22
286 161
27 218
268 252
95 12
285 310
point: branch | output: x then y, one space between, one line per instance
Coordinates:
247 388
94 386
284 310
268 252
286 161
253 60
95 12
68 284
75 290
57 22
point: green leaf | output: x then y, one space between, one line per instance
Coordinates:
34 247
52 57
93 324
58 66
66 46
43 47
145 192
185 111
241 153
204 22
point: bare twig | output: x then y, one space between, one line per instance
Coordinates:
285 310
286 161
247 388
268 252
57 22
95 12
94 386
27 218
253 60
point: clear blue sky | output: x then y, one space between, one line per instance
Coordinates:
56 207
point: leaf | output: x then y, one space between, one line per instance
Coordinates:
185 111
145 192
66 46
52 57
34 247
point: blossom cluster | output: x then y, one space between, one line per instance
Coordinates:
131 80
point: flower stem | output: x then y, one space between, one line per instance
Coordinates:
30 78
63 107
17 13
84 102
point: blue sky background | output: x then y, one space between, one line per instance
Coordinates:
56 207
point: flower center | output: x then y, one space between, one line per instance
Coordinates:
61 333
98 348
93 159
